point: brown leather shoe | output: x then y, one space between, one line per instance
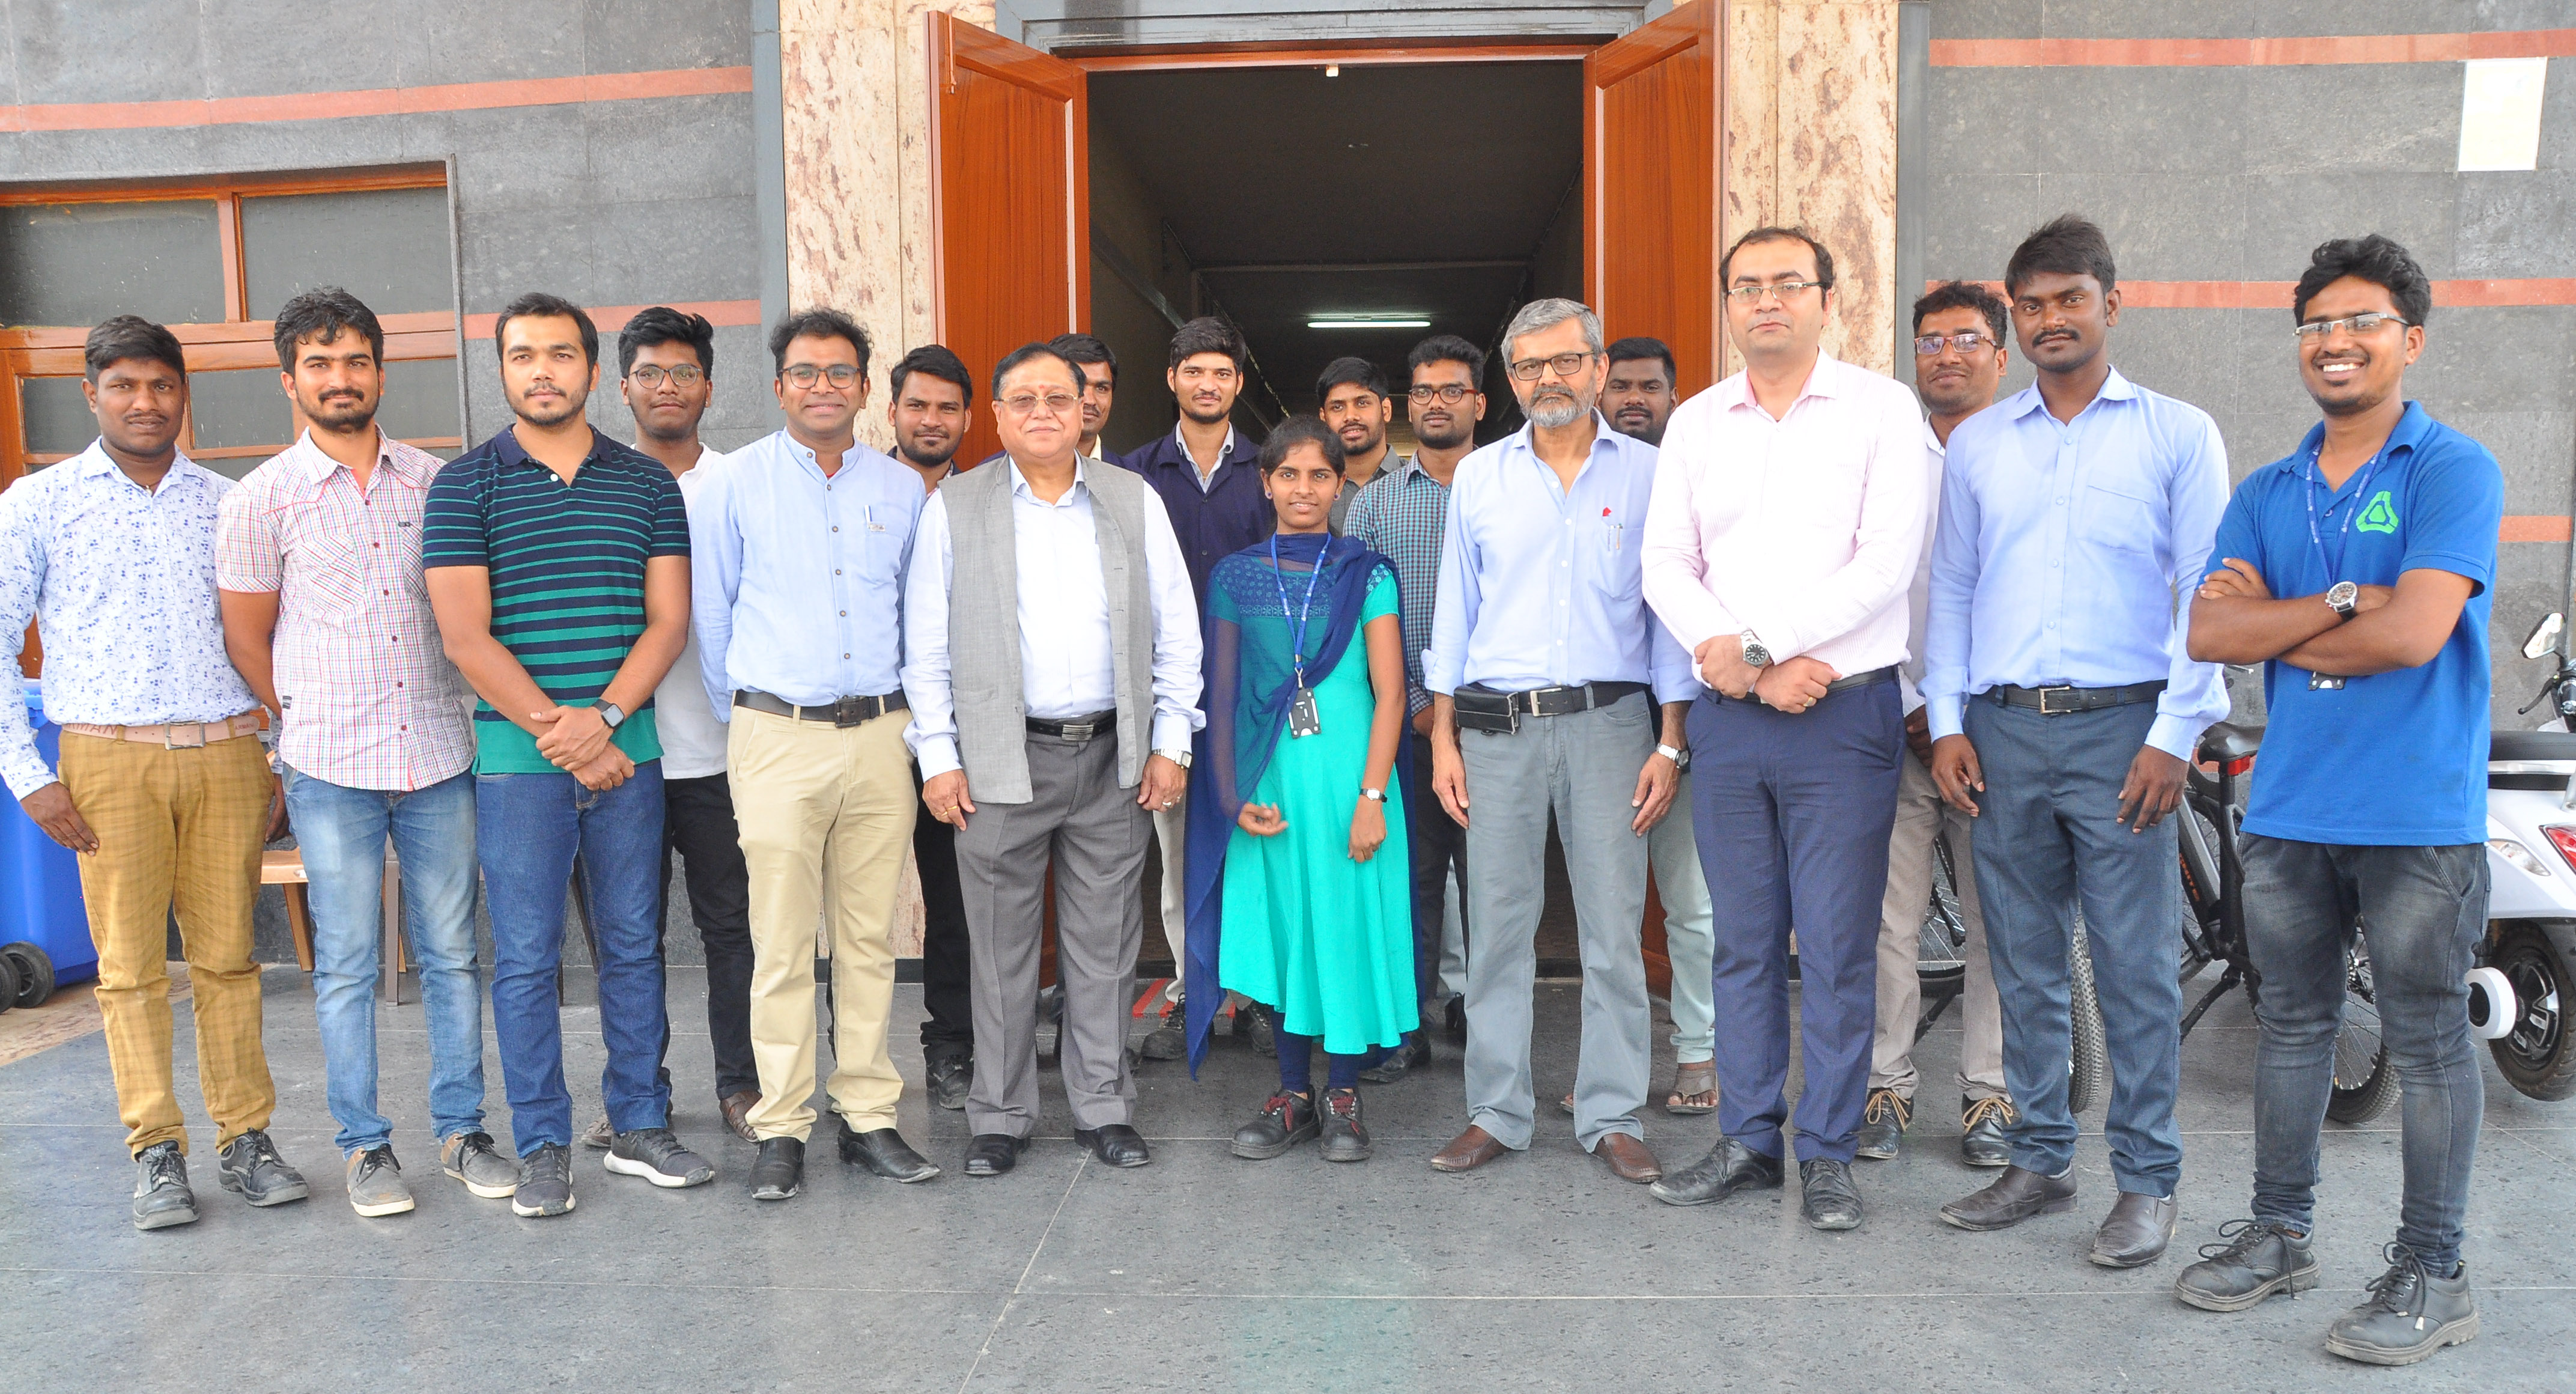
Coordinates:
1629 1158
736 1108
1467 1151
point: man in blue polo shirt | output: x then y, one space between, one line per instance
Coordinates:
557 562
2356 571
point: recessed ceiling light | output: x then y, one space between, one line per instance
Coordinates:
1368 322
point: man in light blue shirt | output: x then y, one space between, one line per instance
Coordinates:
801 544
1543 650
2064 707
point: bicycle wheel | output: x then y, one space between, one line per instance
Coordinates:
2365 1085
2088 1058
2199 902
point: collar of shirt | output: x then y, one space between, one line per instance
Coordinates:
2407 434
505 444
1825 379
314 468
2115 388
1206 477
95 462
1523 444
1081 485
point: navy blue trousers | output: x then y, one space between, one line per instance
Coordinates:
1793 814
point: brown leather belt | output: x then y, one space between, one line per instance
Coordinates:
843 711
176 735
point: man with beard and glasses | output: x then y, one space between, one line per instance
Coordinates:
1637 399
666 362
928 398
557 563
801 546
2065 708
162 789
1402 515
1787 520
1354 403
1544 669
2357 571
1208 480
373 742
1959 357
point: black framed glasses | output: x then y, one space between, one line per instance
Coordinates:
650 377
1449 393
840 375
1565 364
2368 321
1965 341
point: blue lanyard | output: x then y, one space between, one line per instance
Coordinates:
2360 501
1298 659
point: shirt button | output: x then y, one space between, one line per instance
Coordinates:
845 614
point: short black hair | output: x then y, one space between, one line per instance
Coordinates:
1824 259
1303 430
1346 370
1026 352
1964 295
816 322
119 337
2069 244
536 304
2375 259
934 361
661 324
1085 348
1637 348
1206 334
320 315
1448 348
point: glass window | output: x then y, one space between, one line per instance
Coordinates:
387 247
57 416
79 263
245 407
420 400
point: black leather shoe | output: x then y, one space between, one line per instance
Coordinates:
1831 1201
1286 1120
1882 1125
1401 1061
2017 1195
779 1171
948 1078
883 1151
1115 1144
2136 1231
2252 1260
1169 1040
1729 1167
1346 1138
1981 1131
161 1194
1455 1019
991 1154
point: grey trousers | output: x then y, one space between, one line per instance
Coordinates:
1921 816
1095 834
1584 768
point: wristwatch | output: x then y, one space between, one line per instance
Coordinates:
1680 757
1177 757
1755 654
611 713
2342 595
1372 795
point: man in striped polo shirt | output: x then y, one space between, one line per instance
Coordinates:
557 560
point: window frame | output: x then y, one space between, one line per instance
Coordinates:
237 342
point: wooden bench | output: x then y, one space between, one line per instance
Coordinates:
285 870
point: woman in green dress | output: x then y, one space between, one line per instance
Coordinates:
1299 893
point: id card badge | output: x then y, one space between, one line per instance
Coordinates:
1303 719
2324 682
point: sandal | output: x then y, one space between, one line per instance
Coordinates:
1694 1088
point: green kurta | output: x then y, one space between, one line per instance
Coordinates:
1326 940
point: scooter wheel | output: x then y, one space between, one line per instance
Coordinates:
2537 1057
8 984
35 972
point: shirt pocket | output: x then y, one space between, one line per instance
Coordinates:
329 569
2120 514
1616 571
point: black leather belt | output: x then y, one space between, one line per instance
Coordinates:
1552 701
2060 701
1079 729
844 711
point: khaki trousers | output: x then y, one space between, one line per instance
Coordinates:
178 830
826 815
1921 815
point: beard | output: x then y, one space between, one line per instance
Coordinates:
1556 407
572 404
341 413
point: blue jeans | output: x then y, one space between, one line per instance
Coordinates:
2426 908
531 828
2048 837
342 832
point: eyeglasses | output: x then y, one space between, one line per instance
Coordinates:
1966 341
841 375
650 378
2362 323
1752 295
1027 403
1449 393
1565 364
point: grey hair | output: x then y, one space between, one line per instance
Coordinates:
1547 314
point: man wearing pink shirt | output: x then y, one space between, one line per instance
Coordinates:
1786 521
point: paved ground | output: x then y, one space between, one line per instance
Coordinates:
1199 1272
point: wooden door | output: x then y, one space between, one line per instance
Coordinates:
1010 201
1653 108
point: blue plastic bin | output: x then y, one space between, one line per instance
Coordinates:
40 893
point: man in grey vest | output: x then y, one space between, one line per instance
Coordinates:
1051 659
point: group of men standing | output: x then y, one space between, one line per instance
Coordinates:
1767 646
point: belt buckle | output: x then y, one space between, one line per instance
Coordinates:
170 740
850 711
2046 710
1077 732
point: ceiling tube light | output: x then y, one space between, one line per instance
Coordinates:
1368 322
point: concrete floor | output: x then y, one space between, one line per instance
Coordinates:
1199 1272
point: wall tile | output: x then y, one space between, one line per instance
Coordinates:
63 53
636 36
672 250
266 47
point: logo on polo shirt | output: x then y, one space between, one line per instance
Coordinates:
2380 516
